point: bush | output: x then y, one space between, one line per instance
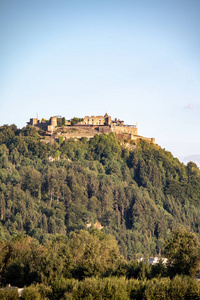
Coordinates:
107 288
157 289
139 270
9 294
31 293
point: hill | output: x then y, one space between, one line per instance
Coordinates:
135 190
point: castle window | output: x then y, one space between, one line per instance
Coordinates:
92 120
88 120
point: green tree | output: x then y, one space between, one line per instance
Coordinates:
60 139
94 254
182 250
63 121
20 261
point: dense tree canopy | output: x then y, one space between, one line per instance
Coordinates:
138 192
53 196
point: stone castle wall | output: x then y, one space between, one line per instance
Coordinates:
150 140
104 129
98 120
125 129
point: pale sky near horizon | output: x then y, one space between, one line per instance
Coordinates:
137 60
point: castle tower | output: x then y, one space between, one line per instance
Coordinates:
107 119
53 121
33 121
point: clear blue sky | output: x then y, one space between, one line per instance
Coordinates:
137 60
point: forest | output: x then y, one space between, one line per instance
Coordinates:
54 196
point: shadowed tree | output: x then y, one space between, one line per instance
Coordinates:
183 252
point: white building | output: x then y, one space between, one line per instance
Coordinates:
155 260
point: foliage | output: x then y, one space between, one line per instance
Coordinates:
95 254
31 293
183 252
9 293
113 288
53 196
19 261
63 121
76 120
138 193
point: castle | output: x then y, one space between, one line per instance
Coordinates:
86 127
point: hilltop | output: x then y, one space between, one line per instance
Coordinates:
57 127
134 190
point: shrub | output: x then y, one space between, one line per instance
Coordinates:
31 293
9 294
